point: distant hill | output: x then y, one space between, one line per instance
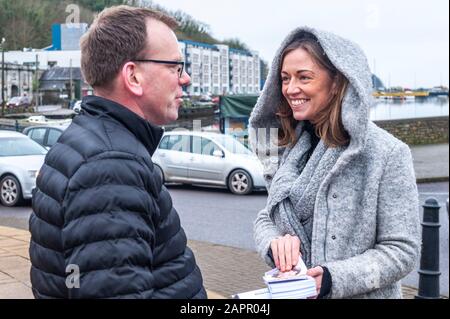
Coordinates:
27 23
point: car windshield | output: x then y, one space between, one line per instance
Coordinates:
232 145
20 146
14 99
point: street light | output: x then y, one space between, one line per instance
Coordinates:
3 75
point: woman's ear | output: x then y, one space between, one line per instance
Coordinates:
132 79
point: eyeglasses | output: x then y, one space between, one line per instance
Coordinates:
181 63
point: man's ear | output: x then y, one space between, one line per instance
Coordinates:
132 79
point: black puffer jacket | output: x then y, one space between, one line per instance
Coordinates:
101 206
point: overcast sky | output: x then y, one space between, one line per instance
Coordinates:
406 41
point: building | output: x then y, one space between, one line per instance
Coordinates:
66 37
18 80
245 72
218 69
215 69
62 84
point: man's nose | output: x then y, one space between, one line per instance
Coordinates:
185 79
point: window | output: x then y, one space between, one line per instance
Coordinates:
195 58
232 145
204 146
180 143
164 143
38 135
195 68
53 136
20 146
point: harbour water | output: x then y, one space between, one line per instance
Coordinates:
381 110
409 108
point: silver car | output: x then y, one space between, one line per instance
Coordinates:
46 135
208 159
20 161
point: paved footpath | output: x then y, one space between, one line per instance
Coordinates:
226 270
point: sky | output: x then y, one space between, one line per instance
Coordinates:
406 41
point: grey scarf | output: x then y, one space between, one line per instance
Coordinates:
295 185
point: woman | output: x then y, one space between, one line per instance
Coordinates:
342 191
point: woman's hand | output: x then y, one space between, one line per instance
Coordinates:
285 251
317 274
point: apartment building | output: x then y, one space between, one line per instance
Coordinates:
218 69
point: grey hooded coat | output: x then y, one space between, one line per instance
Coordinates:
365 225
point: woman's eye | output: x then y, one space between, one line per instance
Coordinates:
305 78
284 79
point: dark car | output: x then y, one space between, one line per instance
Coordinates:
46 135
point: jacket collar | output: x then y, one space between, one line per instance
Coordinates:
149 135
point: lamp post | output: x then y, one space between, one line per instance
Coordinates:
3 74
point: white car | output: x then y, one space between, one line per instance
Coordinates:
20 161
208 159
77 107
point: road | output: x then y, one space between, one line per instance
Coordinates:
216 216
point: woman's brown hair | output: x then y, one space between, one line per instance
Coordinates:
328 124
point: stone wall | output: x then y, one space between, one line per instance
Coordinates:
417 131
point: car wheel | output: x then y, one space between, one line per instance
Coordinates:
10 191
240 182
159 172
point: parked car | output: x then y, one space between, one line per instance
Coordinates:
46 135
208 159
20 161
19 101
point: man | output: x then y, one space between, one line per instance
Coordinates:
100 209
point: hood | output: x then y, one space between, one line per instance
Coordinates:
350 60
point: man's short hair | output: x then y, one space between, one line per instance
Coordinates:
117 35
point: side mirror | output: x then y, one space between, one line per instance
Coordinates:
219 153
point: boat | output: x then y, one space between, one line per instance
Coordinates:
41 119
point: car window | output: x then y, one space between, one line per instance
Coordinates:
164 143
232 145
180 143
205 146
20 146
53 136
38 134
